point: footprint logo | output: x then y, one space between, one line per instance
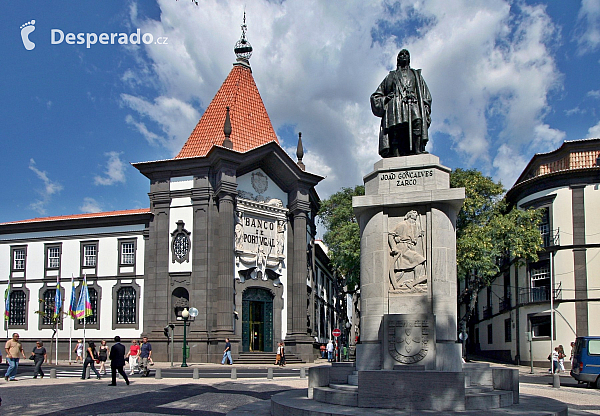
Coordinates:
26 29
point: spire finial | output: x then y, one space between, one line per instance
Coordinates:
227 143
300 152
243 49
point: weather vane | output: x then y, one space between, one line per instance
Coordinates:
243 49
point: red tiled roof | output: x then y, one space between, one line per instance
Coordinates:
250 123
77 216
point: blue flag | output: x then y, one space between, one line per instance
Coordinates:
73 303
57 299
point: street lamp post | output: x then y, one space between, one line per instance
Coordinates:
185 315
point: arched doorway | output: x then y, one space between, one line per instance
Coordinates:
257 320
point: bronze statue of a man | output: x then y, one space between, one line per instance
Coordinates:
403 102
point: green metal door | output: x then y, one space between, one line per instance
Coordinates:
257 320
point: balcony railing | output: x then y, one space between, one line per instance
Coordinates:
504 304
551 238
487 312
538 294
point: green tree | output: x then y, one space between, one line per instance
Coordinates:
488 232
343 234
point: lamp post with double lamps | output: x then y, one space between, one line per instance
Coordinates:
193 312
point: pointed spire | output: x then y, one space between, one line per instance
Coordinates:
300 152
227 130
243 49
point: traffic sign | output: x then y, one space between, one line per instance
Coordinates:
336 332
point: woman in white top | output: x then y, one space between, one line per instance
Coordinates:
79 351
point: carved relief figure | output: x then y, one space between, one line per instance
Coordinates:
280 237
239 232
407 266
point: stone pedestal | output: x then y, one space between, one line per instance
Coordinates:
407 220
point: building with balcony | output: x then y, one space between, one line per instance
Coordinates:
565 184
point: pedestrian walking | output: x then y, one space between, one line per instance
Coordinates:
145 356
554 357
117 361
39 357
282 352
13 349
330 351
133 356
561 358
227 352
572 353
103 356
323 350
90 357
79 351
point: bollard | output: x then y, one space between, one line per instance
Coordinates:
196 374
87 372
303 372
270 374
556 381
234 373
158 373
53 373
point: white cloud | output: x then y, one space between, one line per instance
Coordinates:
594 94
316 64
115 170
175 118
594 131
50 188
90 205
588 38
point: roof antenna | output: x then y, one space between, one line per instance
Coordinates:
300 152
227 143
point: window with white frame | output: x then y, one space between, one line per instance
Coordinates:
53 257
19 259
90 255
128 253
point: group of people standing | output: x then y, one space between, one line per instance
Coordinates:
140 357
558 359
280 357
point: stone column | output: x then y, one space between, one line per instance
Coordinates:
226 192
156 293
297 340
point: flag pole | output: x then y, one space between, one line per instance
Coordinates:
57 308
70 326
84 287
7 306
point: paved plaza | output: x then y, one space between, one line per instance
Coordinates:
209 396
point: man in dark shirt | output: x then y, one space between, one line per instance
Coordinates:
227 352
145 354
117 361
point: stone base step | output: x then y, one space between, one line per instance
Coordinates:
335 396
488 400
267 358
296 402
478 389
353 379
346 387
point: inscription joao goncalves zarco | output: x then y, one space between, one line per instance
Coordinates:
406 178
408 340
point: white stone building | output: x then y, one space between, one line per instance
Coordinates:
564 183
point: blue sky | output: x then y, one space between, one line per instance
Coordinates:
508 78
